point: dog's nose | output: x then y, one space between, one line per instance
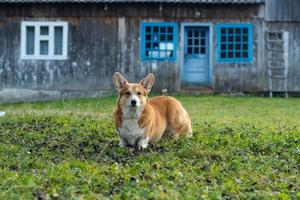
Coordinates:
133 102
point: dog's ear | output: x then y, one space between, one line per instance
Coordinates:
148 82
119 81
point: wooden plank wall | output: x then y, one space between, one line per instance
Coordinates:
105 38
244 77
293 30
283 10
284 16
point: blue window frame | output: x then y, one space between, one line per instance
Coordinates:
234 43
158 41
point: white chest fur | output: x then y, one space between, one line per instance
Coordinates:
130 131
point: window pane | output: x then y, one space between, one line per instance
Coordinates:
196 42
44 47
202 50
155 29
44 30
223 39
223 47
148 29
170 46
203 42
223 31
58 40
245 54
163 54
162 29
203 33
163 37
162 46
148 37
223 55
148 45
155 37
30 40
230 31
170 29
154 54
170 38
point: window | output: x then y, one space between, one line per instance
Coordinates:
44 40
158 41
196 41
234 43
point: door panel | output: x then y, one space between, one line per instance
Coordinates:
196 56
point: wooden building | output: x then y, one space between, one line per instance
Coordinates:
70 48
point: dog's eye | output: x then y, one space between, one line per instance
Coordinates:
138 93
128 93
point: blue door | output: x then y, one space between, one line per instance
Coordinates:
195 70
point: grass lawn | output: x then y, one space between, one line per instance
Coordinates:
242 148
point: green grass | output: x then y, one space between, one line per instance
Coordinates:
242 148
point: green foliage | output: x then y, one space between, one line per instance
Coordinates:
242 148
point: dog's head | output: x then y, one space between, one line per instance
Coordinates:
133 95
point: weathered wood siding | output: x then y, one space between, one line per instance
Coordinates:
106 38
284 16
283 10
243 77
293 56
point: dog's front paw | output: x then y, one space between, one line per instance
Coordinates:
123 143
143 143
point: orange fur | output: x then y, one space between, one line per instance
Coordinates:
158 116
163 114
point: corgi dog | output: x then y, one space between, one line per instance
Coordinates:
140 121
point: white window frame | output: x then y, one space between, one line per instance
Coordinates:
38 37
